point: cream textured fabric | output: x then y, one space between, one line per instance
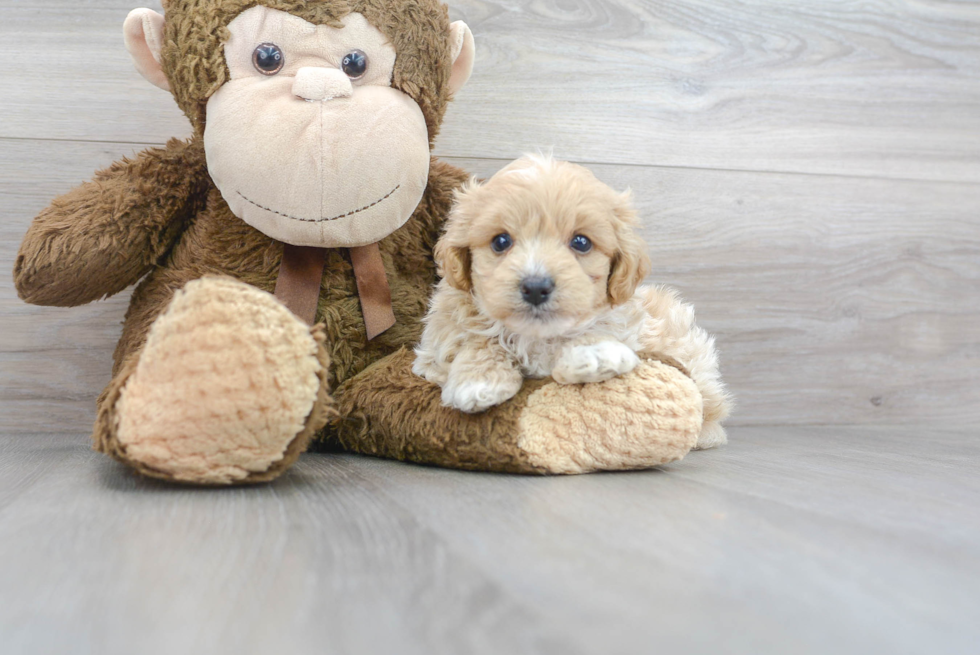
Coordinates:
343 170
225 383
583 428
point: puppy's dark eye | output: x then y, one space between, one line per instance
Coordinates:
354 64
580 243
501 242
267 59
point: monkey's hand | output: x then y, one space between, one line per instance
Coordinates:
104 235
647 417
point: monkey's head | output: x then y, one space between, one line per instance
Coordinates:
317 115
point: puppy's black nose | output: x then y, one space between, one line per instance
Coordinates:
537 290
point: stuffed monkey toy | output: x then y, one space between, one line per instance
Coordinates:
284 259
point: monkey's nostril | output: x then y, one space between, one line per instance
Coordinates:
537 290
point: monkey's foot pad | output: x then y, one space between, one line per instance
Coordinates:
227 381
645 418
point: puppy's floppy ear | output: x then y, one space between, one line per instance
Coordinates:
631 263
454 265
630 266
452 252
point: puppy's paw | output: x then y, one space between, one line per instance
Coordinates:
426 367
594 362
475 394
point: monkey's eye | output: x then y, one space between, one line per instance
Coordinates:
580 243
501 242
354 64
267 59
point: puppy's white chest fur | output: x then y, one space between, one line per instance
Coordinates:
608 338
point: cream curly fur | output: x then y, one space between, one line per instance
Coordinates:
482 338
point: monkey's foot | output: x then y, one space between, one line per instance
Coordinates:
644 418
229 388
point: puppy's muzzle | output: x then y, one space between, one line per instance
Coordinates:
537 290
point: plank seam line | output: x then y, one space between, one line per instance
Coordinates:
584 162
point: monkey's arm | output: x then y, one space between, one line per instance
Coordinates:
645 418
104 235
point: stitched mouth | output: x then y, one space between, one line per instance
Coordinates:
322 219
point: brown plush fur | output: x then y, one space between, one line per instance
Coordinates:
218 243
160 216
101 237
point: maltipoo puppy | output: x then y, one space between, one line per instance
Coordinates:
541 270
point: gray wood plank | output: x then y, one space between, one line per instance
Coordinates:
789 540
96 561
835 300
875 88
803 540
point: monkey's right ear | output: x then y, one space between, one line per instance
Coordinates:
463 53
143 33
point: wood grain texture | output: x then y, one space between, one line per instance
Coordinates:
844 540
877 88
763 142
835 300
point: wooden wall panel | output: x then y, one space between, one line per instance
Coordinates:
835 300
809 174
882 88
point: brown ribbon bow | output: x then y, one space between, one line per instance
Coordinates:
301 274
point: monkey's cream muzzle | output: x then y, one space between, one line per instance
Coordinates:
307 155
341 172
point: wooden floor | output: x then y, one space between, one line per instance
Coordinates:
808 174
791 540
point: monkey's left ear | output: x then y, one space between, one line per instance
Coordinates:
143 34
464 52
